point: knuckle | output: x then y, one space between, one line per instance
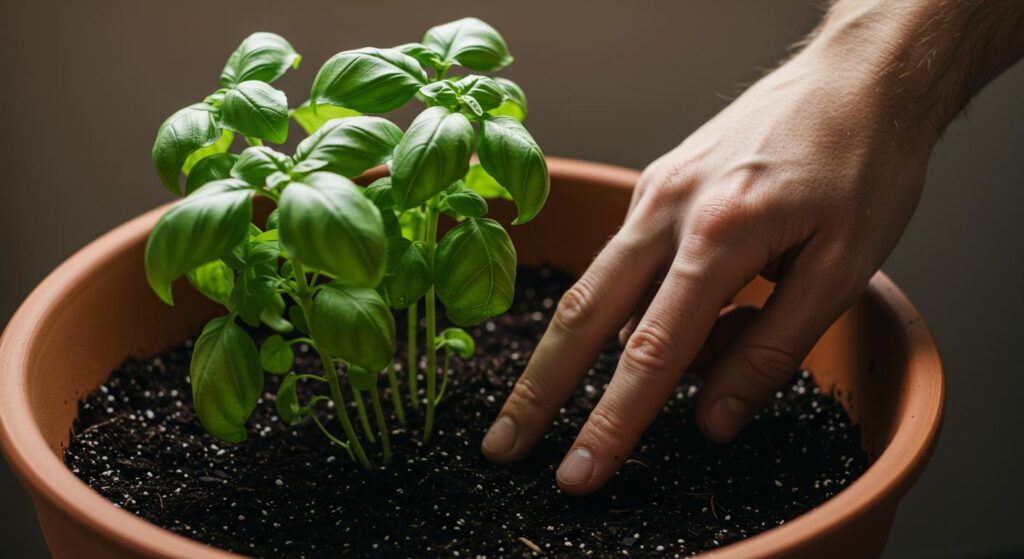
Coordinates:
648 349
719 218
527 393
670 182
768 366
575 307
606 427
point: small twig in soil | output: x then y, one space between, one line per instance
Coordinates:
95 426
638 462
533 547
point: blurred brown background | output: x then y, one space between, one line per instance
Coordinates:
86 84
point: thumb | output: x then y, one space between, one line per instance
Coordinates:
763 358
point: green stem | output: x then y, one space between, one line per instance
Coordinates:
331 373
332 438
431 241
444 373
253 141
396 396
339 407
414 388
363 418
382 425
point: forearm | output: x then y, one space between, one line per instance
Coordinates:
924 59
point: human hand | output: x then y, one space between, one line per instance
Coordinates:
807 179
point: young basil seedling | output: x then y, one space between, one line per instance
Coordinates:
333 263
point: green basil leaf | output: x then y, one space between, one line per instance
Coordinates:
441 93
265 248
254 289
512 157
328 224
273 315
483 184
222 145
215 280
181 135
509 109
471 43
412 224
433 154
360 378
488 93
307 166
369 80
379 192
257 163
209 169
240 255
276 355
256 109
473 106
273 219
216 97
515 100
270 236
287 271
205 226
276 179
408 276
298 319
311 120
261 56
226 379
457 340
288 400
350 146
465 203
421 53
353 324
475 271
392 226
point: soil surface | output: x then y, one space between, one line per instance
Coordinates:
286 492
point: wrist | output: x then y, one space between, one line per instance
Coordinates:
876 58
917 62
841 88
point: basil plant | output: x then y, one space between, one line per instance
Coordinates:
335 261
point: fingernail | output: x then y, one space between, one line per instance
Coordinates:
576 467
501 437
727 416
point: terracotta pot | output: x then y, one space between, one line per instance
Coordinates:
96 309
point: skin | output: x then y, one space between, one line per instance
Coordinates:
808 179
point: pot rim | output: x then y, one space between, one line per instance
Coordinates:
50 481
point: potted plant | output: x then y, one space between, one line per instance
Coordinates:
332 261
312 285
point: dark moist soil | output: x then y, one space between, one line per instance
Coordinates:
285 492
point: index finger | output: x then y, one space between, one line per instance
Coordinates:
666 340
586 318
